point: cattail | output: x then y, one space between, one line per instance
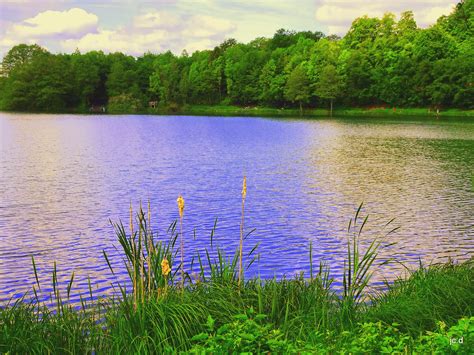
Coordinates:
165 267
244 195
165 270
180 201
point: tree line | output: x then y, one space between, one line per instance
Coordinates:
380 61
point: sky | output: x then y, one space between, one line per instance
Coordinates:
136 27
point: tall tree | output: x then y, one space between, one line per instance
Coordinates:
329 85
18 56
297 87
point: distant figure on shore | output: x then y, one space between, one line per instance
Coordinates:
97 109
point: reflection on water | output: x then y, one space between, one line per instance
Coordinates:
62 177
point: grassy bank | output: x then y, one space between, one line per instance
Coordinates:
222 110
218 311
256 111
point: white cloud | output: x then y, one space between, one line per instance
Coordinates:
156 31
135 27
150 30
428 17
117 41
338 15
156 19
199 45
73 22
206 26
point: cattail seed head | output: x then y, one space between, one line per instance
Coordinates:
180 201
244 188
165 267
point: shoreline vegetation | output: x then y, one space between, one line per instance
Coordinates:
258 111
215 310
380 62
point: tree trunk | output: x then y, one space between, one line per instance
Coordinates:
331 107
301 109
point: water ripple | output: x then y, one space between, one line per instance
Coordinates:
63 177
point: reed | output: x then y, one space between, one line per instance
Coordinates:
244 195
180 201
358 266
218 308
147 262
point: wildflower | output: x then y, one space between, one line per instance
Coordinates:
165 267
180 201
196 277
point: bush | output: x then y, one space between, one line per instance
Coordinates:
247 333
124 103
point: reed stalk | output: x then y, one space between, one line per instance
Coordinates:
141 261
311 260
180 201
132 261
150 249
244 195
131 218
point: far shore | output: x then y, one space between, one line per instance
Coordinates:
258 111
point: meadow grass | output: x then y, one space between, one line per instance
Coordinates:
259 111
219 311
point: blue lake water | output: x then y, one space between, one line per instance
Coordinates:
63 177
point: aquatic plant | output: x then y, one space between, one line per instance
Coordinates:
358 266
244 195
180 201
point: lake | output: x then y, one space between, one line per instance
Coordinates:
63 177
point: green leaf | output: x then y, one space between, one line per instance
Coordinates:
210 323
200 337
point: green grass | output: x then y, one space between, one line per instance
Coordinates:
440 292
213 313
229 110
260 111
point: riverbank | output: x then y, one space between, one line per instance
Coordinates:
256 111
432 310
221 110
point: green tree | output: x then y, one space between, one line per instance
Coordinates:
121 78
18 56
271 84
297 87
329 85
90 74
44 84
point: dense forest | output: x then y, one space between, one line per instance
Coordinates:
380 61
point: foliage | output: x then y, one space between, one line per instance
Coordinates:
20 55
379 62
124 103
248 332
297 87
